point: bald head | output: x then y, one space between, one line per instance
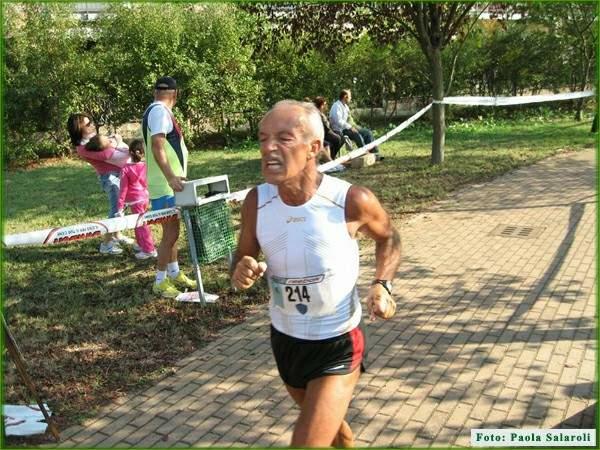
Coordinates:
306 116
290 136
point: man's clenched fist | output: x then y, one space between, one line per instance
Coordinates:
380 303
247 271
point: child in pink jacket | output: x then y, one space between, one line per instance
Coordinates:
134 192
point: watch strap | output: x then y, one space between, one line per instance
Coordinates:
387 284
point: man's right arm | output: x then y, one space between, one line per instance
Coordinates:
160 156
245 270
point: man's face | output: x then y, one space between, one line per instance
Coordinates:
347 98
284 149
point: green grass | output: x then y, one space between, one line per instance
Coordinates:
88 325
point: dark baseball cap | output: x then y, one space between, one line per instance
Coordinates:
165 83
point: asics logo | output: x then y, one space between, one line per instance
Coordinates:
292 219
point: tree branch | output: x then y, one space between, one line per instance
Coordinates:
449 19
424 39
462 43
458 23
410 28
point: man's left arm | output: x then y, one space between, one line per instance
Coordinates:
365 214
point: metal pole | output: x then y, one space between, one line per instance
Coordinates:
229 259
15 354
192 241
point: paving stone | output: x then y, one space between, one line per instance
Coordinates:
491 331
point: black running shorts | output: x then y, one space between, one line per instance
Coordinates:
301 360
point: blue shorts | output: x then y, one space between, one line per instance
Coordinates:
111 184
166 201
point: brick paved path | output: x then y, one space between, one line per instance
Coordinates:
495 329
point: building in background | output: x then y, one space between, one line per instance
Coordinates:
89 11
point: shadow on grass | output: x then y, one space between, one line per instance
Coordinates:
90 328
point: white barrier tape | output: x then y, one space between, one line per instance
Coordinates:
518 100
100 227
89 230
238 196
97 228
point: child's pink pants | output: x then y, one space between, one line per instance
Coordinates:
143 236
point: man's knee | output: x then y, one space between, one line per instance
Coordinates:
356 137
366 134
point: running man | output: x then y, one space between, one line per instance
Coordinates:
166 164
306 225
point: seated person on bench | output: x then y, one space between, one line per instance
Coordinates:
342 123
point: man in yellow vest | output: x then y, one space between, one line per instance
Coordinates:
167 156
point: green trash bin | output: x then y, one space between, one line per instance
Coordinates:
212 231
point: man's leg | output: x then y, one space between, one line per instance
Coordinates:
323 409
167 250
174 252
344 437
356 137
162 285
180 280
367 136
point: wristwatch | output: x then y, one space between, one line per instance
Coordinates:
387 284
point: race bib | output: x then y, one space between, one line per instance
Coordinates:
310 296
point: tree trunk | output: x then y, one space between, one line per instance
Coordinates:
582 86
439 119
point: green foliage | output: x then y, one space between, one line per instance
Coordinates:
233 62
225 85
514 59
382 72
287 72
42 72
326 27
20 150
134 45
56 65
200 45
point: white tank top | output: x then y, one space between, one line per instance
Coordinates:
312 262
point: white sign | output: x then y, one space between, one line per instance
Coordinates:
23 420
533 437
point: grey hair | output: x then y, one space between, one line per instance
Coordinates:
310 117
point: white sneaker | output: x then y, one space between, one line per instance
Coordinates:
349 143
122 239
111 248
338 168
144 255
136 248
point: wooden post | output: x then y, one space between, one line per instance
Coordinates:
15 354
